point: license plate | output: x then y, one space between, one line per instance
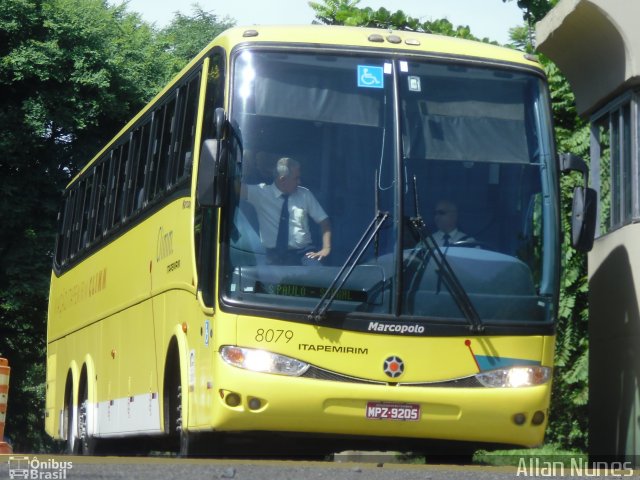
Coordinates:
408 412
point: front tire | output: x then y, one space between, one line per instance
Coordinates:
181 441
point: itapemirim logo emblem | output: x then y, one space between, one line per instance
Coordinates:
393 366
33 468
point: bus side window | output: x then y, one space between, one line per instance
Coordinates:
183 162
86 212
138 168
102 182
72 222
121 161
113 183
110 171
67 220
130 186
77 219
162 126
152 161
169 177
59 240
166 147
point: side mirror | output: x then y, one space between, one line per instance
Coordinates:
219 122
206 186
212 165
583 218
584 207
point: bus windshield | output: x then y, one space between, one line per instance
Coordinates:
456 155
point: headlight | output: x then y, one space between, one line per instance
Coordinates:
515 377
263 361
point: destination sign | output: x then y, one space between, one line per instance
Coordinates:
292 290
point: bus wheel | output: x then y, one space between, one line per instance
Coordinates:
86 443
68 419
189 443
182 442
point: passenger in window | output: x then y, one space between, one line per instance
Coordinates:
446 220
283 208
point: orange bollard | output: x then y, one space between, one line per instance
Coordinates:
4 397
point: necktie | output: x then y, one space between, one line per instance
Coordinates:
282 240
445 239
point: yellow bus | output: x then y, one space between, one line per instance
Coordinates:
171 323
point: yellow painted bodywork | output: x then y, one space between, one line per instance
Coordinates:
117 311
453 413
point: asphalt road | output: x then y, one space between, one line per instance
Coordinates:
109 468
143 468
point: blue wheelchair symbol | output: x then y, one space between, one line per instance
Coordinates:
370 77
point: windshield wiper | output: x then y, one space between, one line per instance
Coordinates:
451 281
319 312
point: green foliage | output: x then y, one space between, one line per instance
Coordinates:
346 12
521 38
534 10
547 453
568 416
72 72
187 35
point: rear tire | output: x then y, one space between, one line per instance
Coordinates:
68 418
86 443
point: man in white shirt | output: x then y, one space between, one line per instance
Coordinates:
446 219
283 209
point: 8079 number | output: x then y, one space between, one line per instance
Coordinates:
273 336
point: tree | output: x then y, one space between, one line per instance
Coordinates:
71 72
346 12
534 10
187 35
569 413
521 38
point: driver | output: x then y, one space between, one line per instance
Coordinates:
446 219
283 208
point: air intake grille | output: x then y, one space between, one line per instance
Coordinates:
321 374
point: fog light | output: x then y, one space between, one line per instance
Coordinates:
255 404
519 418
538 418
233 399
